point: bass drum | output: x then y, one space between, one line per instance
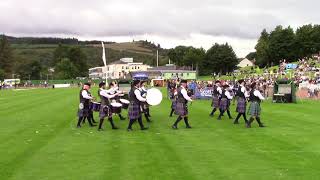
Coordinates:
125 103
116 108
95 106
154 97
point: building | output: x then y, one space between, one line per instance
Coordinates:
245 63
117 70
167 72
171 71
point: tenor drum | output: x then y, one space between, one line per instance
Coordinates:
95 106
116 108
154 97
125 103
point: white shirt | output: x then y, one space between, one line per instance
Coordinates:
105 93
184 94
227 93
258 94
246 93
86 95
219 90
138 95
143 89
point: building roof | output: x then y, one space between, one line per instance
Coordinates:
171 71
118 62
172 67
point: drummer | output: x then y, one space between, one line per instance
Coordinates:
105 110
144 106
182 105
84 106
134 111
114 89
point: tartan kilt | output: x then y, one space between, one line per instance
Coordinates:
215 102
134 111
105 111
181 109
254 109
173 104
241 105
224 104
85 112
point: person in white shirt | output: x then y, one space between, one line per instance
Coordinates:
254 108
84 106
215 97
105 109
144 106
181 105
225 99
114 90
242 95
134 111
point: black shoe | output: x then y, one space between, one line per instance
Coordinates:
129 130
174 127
122 118
144 128
248 125
78 126
211 115
188 127
115 128
261 125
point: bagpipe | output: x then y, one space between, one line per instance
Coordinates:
190 92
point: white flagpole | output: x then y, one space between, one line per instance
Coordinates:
157 58
104 59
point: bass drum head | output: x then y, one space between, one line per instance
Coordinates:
116 104
124 101
154 97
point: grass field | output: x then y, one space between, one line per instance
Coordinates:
39 141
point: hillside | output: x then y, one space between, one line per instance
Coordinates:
42 51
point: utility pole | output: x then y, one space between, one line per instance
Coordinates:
157 57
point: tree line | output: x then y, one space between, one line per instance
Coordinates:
51 40
285 43
68 62
220 58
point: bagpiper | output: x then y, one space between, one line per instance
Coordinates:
182 105
242 96
215 97
254 109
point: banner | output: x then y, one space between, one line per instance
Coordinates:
203 93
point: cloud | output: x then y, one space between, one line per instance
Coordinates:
175 20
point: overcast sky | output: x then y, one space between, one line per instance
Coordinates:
199 23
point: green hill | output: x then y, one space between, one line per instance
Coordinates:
44 52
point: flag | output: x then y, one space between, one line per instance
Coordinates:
104 55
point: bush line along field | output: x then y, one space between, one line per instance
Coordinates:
39 141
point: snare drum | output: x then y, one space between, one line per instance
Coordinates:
116 108
95 106
125 103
